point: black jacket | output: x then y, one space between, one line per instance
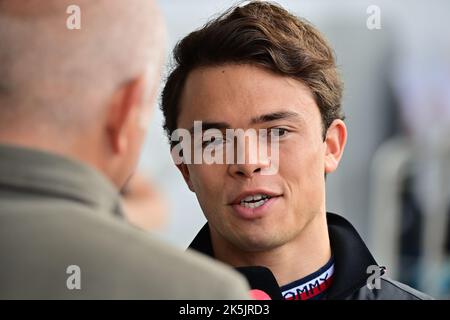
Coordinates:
352 258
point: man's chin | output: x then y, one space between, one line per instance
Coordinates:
259 243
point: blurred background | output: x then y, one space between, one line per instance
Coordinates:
393 183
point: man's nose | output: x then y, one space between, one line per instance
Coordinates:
252 163
245 170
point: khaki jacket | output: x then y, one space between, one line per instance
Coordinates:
62 237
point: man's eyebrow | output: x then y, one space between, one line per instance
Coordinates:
259 119
211 125
279 115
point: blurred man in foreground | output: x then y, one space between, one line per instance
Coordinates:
74 106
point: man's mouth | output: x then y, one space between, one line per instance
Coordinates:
254 198
255 201
254 204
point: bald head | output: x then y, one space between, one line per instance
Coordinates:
53 78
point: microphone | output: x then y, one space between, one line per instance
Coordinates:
262 282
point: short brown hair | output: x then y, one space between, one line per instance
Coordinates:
262 34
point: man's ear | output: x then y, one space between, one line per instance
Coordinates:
186 175
335 143
124 110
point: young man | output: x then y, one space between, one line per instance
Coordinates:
74 108
259 67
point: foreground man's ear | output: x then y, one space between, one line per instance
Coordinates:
124 113
186 175
335 141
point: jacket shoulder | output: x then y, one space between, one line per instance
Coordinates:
403 291
390 290
116 260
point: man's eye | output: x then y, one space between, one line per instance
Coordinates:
212 141
278 132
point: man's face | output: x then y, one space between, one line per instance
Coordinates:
237 95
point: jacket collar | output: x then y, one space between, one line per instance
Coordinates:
351 255
50 175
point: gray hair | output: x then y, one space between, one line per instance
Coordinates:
51 76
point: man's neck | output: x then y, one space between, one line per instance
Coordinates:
302 256
77 149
